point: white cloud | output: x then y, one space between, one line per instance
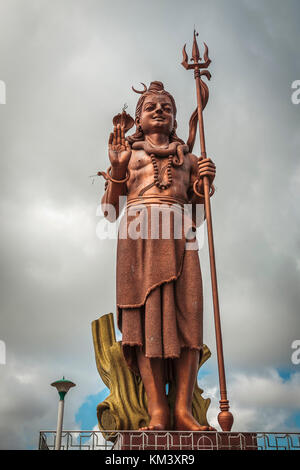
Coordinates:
258 401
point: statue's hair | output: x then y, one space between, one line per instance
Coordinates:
155 88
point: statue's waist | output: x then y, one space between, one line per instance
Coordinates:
156 199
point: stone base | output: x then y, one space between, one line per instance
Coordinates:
185 440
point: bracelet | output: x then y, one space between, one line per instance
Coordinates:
118 181
211 193
108 177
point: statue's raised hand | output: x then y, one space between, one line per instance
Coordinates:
119 149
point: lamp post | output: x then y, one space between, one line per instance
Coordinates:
62 386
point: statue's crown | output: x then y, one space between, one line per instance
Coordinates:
155 87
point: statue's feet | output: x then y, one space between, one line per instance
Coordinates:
160 421
184 421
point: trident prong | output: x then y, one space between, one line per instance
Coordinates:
195 56
195 52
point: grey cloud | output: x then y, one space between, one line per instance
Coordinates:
69 67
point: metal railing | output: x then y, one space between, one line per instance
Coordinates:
170 440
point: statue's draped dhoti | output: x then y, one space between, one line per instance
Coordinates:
159 285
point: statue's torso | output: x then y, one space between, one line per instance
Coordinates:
142 175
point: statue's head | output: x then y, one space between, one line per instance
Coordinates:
155 112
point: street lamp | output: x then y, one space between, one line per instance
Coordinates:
62 386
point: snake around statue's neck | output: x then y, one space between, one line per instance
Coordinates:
176 149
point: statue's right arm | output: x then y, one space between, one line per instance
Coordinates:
119 154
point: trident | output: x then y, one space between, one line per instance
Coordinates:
225 417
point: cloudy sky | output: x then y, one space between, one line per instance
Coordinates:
68 66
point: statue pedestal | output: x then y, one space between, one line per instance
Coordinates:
185 440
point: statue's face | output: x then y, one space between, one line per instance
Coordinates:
157 115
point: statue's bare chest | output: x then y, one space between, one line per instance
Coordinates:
145 170
139 160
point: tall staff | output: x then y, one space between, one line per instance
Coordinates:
225 417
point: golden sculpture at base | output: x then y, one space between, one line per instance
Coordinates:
126 406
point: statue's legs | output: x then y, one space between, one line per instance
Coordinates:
186 368
153 376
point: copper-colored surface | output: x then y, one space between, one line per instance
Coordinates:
125 121
225 417
160 166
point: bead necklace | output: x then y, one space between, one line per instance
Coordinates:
159 181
